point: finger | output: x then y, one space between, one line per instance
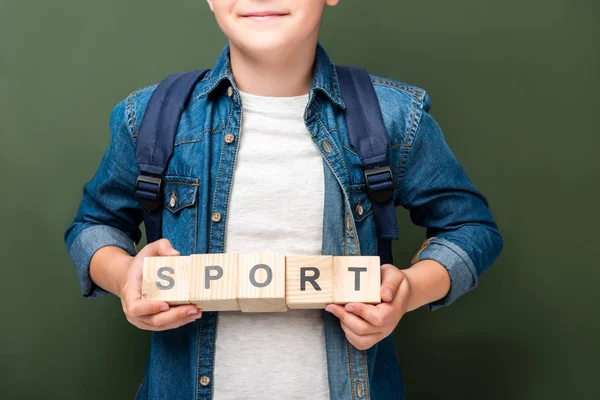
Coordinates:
160 247
394 310
173 325
361 342
148 327
367 312
398 302
179 322
356 323
141 307
174 314
165 248
391 277
141 324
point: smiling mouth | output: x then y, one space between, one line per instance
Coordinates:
263 16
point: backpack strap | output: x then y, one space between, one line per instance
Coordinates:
368 136
154 145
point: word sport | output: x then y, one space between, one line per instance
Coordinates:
261 282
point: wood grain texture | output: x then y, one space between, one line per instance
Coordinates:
344 279
159 273
219 294
238 281
255 266
312 296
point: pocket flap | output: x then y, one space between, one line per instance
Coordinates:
360 203
179 192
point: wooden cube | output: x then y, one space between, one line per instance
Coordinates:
309 281
214 278
261 282
166 278
356 279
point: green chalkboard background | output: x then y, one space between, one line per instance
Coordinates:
514 85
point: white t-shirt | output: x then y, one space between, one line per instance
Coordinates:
276 205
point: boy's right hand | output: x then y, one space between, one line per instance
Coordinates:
148 314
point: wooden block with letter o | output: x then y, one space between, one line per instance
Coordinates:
214 278
356 279
309 281
166 278
261 282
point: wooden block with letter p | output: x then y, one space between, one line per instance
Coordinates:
261 282
356 279
309 281
215 281
166 278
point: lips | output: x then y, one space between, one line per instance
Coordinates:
264 14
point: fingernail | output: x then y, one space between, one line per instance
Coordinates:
330 309
192 312
350 308
388 293
164 308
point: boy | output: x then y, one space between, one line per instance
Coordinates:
270 110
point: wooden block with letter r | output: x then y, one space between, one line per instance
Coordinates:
166 278
356 279
309 281
261 282
214 278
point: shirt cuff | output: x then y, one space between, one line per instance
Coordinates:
463 275
86 244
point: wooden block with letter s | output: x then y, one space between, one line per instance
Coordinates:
166 278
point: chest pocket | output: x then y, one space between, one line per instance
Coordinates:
180 211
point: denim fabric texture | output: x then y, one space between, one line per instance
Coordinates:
461 232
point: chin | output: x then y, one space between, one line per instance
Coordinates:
264 42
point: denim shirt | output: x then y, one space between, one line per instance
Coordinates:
429 181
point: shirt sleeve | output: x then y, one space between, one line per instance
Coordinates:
108 214
461 232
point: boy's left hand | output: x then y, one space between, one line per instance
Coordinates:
367 324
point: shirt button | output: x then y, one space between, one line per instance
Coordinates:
216 216
229 138
173 200
230 91
204 380
359 209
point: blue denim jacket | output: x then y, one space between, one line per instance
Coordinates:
461 233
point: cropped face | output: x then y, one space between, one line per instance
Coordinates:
269 25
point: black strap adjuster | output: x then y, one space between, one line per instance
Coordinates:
148 191
380 183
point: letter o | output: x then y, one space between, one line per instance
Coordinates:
253 273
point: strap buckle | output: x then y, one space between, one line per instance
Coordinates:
148 191
380 183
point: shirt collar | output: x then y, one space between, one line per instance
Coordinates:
324 76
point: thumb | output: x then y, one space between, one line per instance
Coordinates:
163 247
391 278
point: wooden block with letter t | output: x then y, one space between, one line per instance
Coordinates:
356 279
309 281
261 282
166 278
215 281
